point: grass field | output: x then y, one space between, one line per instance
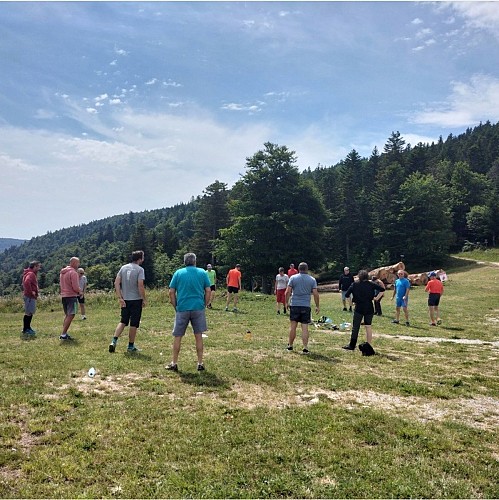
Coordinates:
420 419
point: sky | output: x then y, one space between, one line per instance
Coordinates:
112 107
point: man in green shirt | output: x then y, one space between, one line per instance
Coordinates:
212 276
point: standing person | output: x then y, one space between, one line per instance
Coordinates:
292 270
129 287
346 279
436 290
233 286
83 287
401 291
189 295
212 276
70 290
30 295
300 287
378 296
281 283
363 292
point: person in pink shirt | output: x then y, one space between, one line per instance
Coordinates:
70 290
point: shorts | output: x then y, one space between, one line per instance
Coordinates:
433 299
343 293
281 296
29 305
131 313
70 305
81 300
182 319
300 314
399 302
232 289
213 287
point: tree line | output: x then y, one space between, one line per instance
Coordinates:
418 202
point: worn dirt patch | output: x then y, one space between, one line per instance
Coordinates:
439 339
480 412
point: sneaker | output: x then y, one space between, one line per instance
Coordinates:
344 308
200 367
433 324
289 348
305 351
65 337
83 317
278 312
284 310
30 331
133 349
395 321
348 347
439 321
172 367
234 310
112 347
407 323
226 308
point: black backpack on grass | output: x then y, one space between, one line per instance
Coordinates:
366 349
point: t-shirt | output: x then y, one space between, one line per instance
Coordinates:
345 281
434 286
363 293
130 275
212 276
190 283
402 285
83 282
281 281
302 284
233 277
292 271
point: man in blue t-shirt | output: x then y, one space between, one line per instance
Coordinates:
189 293
300 287
401 294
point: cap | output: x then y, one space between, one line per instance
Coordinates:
238 265
433 273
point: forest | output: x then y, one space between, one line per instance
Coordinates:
415 203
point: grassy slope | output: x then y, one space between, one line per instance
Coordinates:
418 420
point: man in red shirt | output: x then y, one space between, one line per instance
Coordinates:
233 286
292 270
30 294
435 289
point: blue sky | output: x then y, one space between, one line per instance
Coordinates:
111 107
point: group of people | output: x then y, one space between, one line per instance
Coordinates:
192 290
367 297
73 285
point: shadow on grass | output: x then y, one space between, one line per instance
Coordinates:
321 357
390 357
452 328
203 379
26 337
137 356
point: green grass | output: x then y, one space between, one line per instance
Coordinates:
418 420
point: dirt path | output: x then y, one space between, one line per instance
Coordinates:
481 262
439 339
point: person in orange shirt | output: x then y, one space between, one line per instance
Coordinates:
435 289
233 286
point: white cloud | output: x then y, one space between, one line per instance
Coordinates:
417 21
91 110
481 15
152 81
467 105
113 102
44 114
241 107
101 97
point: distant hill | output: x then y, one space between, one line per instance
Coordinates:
9 242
